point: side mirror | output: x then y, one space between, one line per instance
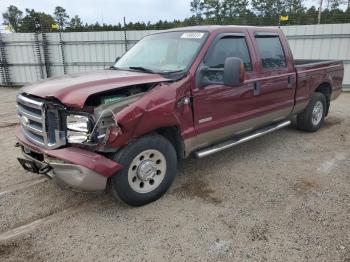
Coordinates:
233 71
117 59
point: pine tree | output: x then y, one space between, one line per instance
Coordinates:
61 17
213 9
233 8
197 8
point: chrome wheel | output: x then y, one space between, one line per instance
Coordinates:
317 113
147 171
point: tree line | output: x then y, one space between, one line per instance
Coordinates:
268 12
236 12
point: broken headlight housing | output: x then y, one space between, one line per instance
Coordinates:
78 128
105 126
82 129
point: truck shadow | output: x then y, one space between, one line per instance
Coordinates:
194 175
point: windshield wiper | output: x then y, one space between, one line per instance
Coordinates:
171 72
147 70
143 69
113 67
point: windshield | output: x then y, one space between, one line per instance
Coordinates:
164 52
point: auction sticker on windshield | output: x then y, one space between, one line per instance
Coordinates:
196 35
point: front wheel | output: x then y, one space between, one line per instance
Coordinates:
312 118
150 165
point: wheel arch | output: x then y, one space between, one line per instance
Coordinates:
325 88
172 134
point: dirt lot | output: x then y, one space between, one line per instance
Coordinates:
282 197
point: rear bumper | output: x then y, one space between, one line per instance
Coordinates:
77 168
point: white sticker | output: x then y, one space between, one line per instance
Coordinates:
196 35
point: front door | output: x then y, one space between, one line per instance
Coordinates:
222 111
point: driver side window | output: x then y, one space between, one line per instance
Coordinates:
228 46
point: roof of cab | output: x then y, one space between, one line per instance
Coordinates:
212 28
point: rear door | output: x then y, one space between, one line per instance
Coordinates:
275 86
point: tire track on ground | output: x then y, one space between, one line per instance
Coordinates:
44 221
21 186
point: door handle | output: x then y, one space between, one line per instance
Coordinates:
290 81
256 88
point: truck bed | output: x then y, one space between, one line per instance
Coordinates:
311 73
306 64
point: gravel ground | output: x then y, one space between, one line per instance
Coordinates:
282 197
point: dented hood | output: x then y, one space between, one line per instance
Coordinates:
73 90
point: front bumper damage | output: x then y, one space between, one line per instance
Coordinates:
77 168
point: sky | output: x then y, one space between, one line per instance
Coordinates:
112 11
109 11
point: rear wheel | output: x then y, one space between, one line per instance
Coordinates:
149 168
312 118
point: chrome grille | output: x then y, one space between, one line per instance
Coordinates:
38 124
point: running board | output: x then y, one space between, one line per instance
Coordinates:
231 143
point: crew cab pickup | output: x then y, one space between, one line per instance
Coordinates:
184 92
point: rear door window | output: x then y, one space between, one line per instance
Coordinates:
271 52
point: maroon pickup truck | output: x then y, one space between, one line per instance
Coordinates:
185 92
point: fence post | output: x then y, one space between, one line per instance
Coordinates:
61 43
46 54
37 53
4 72
125 38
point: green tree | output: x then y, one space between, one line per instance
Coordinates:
232 8
270 8
13 17
335 4
36 22
75 24
260 7
213 9
295 6
61 17
197 9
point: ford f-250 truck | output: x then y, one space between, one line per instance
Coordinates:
178 93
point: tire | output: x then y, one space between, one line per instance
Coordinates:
312 118
150 165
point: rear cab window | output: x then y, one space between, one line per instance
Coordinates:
270 50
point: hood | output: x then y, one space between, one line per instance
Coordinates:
73 90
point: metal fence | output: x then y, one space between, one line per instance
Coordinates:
330 41
28 57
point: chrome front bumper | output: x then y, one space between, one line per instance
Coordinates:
79 177
74 176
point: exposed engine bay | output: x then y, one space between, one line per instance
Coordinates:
106 105
116 96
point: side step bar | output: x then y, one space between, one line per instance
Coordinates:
231 143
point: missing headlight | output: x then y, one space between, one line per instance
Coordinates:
105 125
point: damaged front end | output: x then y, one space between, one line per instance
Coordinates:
79 160
94 129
